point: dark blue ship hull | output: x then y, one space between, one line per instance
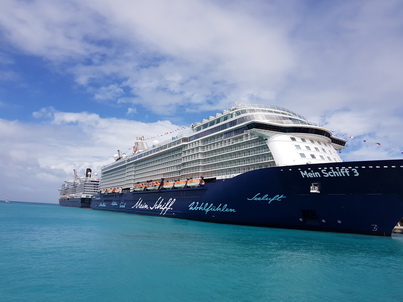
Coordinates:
75 202
354 197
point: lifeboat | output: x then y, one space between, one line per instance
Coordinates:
117 190
139 186
195 182
168 184
153 185
180 183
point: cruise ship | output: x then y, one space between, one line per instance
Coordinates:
260 166
79 191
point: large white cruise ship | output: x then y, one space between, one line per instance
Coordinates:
233 142
255 165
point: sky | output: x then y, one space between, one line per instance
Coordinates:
80 80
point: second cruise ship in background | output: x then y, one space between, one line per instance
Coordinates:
256 165
79 191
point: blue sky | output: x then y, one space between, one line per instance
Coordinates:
81 79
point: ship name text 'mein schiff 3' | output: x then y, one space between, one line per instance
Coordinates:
254 165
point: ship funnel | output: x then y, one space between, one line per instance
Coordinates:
88 173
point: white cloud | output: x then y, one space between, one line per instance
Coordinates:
37 158
205 54
111 92
131 111
191 50
54 30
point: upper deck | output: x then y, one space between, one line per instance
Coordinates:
233 122
270 114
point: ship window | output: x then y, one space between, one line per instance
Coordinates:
293 138
317 149
303 139
312 141
313 156
298 147
308 148
302 155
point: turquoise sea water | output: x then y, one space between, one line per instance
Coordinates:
52 253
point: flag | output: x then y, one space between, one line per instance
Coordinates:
378 144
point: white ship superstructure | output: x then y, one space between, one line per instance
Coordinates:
80 187
236 141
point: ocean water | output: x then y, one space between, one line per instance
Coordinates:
52 253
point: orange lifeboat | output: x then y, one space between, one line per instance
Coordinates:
180 183
117 190
153 185
194 182
168 184
139 186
